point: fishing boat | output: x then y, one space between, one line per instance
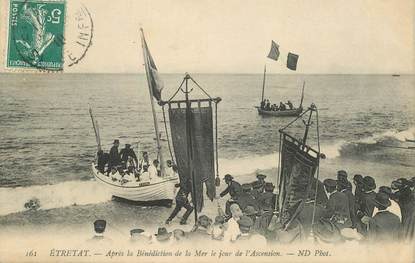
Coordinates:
159 190
280 113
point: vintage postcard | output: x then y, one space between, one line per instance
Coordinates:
207 131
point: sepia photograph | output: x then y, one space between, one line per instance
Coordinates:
207 131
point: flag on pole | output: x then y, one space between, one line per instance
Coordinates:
292 61
274 53
155 82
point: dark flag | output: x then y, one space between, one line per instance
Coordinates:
297 172
274 53
292 61
155 82
203 162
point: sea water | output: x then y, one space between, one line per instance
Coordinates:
47 139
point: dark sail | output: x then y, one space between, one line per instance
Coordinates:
203 164
298 167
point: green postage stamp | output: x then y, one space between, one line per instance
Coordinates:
36 34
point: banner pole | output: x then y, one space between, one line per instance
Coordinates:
189 145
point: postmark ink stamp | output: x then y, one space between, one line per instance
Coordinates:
36 28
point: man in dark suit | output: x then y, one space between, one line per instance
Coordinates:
233 189
114 157
342 177
343 187
182 201
337 208
245 198
385 225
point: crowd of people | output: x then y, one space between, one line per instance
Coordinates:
343 214
268 106
123 166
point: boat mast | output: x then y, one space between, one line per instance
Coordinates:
189 145
302 95
156 128
263 83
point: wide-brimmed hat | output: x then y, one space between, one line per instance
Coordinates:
116 141
369 183
351 234
246 187
330 182
250 211
342 174
162 234
227 177
382 199
263 176
99 225
179 234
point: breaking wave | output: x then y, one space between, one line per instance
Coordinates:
69 193
390 138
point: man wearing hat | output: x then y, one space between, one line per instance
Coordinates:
260 182
126 153
367 204
201 231
247 236
384 226
99 228
233 189
404 196
114 159
343 187
342 177
394 208
267 200
163 236
337 208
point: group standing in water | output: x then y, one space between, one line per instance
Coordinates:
266 105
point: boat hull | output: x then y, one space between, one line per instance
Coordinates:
161 189
284 113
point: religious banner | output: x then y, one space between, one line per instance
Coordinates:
298 167
202 159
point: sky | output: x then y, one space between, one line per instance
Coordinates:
234 36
